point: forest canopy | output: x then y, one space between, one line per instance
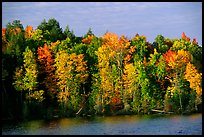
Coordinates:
48 71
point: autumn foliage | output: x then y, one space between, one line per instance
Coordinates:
101 75
194 78
185 37
87 40
28 32
46 61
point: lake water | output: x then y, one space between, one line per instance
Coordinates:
111 125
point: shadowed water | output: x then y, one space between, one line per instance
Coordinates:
111 125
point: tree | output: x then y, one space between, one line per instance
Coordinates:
46 61
54 32
15 24
141 46
29 32
30 65
62 73
68 33
13 38
177 62
87 40
79 49
12 48
91 56
26 78
131 86
146 100
185 37
89 32
71 73
4 40
38 38
160 45
194 78
110 66
161 73
113 73
66 44
156 70
191 46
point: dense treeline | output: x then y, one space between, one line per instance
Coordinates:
48 72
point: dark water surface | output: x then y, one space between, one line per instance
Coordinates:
111 125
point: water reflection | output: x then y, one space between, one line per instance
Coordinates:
33 125
67 122
112 125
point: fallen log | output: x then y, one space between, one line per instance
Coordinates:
161 111
79 111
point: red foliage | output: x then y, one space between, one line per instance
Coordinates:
185 37
47 65
3 32
115 103
4 42
194 41
169 56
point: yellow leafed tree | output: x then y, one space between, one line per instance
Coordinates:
71 72
194 78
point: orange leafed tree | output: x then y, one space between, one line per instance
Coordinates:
4 41
15 31
110 62
194 41
180 59
177 59
46 60
88 40
29 32
3 32
185 37
169 57
80 66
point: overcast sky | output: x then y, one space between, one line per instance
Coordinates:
169 19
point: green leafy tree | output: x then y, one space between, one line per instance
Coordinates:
156 70
51 30
160 44
89 33
15 24
144 85
14 41
68 33
141 46
25 81
37 39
